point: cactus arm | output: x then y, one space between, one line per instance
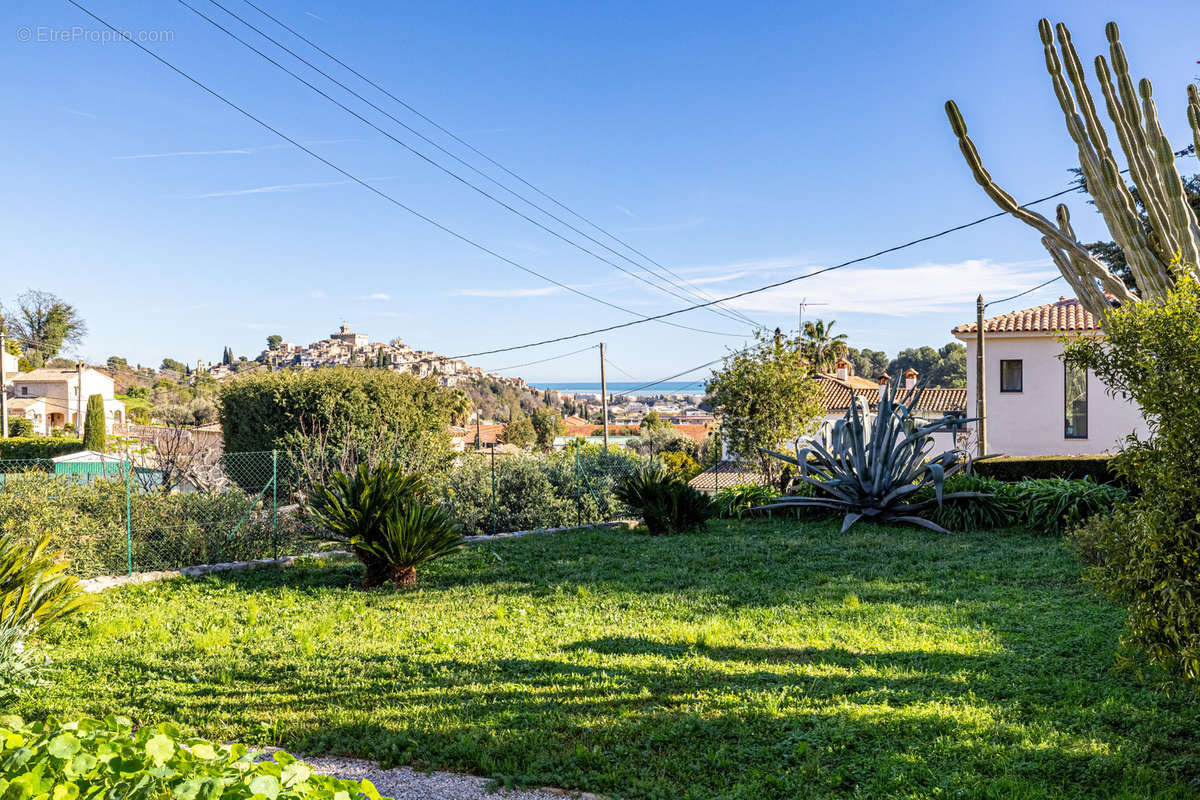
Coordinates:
1169 231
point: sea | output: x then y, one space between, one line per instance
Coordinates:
623 387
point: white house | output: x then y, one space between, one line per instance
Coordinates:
51 398
839 388
1036 404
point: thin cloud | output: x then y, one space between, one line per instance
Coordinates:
538 292
314 16
281 187
230 151
920 289
317 294
625 211
76 112
378 296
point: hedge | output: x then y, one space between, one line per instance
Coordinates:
35 447
1018 468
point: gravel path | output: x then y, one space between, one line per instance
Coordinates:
405 783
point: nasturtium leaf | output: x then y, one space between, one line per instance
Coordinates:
204 751
63 746
65 791
295 773
160 748
211 789
266 786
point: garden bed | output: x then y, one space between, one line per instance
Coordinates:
757 659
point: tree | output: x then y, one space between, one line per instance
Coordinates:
820 346
227 356
116 363
1144 554
174 366
651 422
95 437
1148 243
273 341
868 363
44 324
546 425
946 366
766 398
519 431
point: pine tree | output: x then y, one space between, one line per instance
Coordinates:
94 435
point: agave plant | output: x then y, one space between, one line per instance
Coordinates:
34 587
385 516
876 469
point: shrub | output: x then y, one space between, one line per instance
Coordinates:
107 758
1146 553
385 516
95 435
680 464
531 492
666 503
34 588
735 502
332 419
19 663
1144 557
992 504
34 591
19 427
1051 505
1018 468
37 447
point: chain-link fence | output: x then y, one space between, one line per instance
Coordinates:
125 514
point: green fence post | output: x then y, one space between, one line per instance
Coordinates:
275 504
128 517
578 488
493 490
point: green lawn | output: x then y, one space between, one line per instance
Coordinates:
755 660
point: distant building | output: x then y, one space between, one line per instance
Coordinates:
345 336
52 398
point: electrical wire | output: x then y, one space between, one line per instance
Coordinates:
1022 294
461 237
676 375
431 161
544 360
624 372
476 151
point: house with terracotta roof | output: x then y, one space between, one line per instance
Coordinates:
839 388
1037 404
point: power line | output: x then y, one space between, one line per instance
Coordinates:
474 150
1022 294
360 181
676 375
544 360
433 162
624 372
920 240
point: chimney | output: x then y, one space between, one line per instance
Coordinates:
884 380
843 369
910 379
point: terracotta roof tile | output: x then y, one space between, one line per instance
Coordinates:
836 396
1067 314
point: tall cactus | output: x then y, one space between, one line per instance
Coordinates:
1169 230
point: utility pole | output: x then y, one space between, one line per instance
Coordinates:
604 397
3 387
79 399
980 375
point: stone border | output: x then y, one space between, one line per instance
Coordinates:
99 584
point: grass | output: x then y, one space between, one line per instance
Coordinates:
757 659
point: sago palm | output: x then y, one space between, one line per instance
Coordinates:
34 588
386 518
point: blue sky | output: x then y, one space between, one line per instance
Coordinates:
736 144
